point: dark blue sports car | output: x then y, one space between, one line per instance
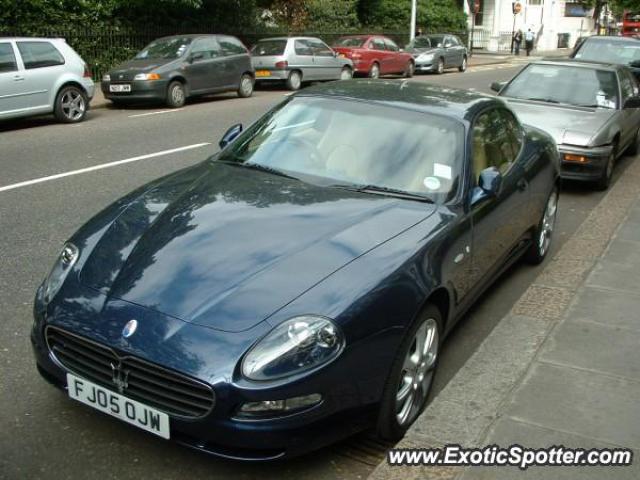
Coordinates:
295 287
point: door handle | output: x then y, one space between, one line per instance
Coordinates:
522 184
18 78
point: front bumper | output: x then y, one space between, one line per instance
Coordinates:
590 170
347 406
425 66
141 90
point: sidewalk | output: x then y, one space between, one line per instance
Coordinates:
562 368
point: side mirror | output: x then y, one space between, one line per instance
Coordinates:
635 63
497 86
196 56
230 135
489 185
632 102
401 49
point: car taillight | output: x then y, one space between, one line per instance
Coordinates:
282 65
87 73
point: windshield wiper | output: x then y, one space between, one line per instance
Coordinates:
539 99
378 190
264 168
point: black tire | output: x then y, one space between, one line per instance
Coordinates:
374 72
634 148
538 249
409 70
245 87
463 66
607 173
388 427
176 95
294 80
440 66
71 104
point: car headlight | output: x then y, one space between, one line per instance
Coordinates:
65 262
295 346
147 76
106 77
426 57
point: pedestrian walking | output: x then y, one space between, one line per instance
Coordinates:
517 40
528 41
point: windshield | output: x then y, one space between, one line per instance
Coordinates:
557 84
349 42
173 47
420 42
341 142
609 51
269 47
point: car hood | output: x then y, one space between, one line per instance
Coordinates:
419 51
130 68
567 125
227 248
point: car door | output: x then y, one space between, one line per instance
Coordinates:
449 52
11 81
303 59
458 49
236 59
498 222
205 69
326 63
396 62
629 117
43 65
380 53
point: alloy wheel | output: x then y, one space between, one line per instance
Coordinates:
440 65
177 95
73 105
417 372
548 223
246 86
375 71
346 74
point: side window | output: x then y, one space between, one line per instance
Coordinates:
377 44
205 49
231 46
634 83
39 55
626 86
455 41
448 42
303 48
320 48
7 58
496 141
391 46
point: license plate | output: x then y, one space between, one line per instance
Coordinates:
119 406
263 73
120 88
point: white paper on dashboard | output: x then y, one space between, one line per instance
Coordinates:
442 171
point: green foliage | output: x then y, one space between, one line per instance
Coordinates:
332 15
432 15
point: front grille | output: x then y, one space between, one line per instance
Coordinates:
171 392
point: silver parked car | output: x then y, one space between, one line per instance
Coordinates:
435 53
591 109
43 75
295 60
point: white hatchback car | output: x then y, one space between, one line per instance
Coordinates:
43 75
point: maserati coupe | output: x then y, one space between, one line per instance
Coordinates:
295 288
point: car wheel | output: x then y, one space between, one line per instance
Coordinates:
375 71
440 66
245 89
605 179
409 70
294 81
346 73
544 232
176 95
463 65
634 148
71 105
408 386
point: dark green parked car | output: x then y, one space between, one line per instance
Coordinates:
171 69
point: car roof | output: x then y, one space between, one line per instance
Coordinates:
44 39
410 95
288 38
610 38
575 62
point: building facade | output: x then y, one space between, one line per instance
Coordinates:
555 23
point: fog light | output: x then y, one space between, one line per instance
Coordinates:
568 157
268 408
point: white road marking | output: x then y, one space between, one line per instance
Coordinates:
101 166
154 113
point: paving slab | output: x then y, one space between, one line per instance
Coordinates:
615 276
624 251
630 231
579 402
507 432
608 307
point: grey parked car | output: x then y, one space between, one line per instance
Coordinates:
171 69
295 60
435 53
591 109
43 75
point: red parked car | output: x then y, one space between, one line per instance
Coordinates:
375 55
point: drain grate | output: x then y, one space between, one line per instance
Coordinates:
364 448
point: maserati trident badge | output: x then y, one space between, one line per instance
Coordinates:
129 328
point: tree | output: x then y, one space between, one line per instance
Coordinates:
432 15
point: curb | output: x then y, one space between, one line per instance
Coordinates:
465 410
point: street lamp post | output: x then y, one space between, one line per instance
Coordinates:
414 7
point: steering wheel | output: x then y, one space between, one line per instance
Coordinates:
312 157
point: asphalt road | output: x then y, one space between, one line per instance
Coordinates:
46 435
